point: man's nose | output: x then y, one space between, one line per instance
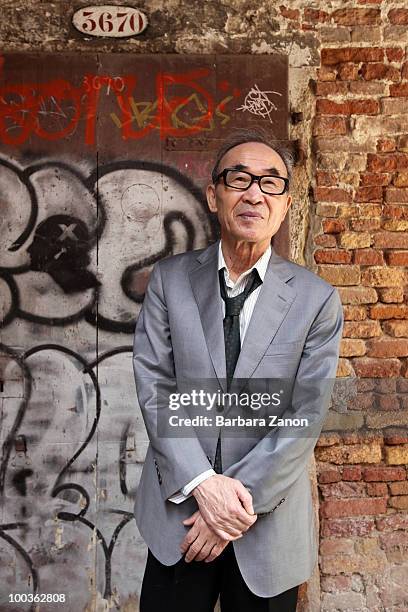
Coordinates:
254 194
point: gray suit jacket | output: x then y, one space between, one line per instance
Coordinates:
294 332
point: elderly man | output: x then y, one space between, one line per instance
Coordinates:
231 516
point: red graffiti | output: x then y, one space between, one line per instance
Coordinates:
54 110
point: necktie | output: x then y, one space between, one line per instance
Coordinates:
232 339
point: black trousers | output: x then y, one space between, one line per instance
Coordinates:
185 587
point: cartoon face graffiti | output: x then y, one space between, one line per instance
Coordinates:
60 247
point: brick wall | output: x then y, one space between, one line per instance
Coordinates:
349 80
360 196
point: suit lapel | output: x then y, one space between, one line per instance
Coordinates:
270 310
205 286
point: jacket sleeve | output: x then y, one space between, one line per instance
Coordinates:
275 463
178 460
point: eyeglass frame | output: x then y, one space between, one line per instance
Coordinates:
254 179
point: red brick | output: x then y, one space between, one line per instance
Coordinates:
396 439
362 329
333 584
398 328
343 489
400 502
340 274
332 256
394 543
368 257
331 89
397 258
389 311
398 16
363 225
385 145
403 142
374 178
289 13
401 179
383 474
328 107
381 163
387 347
399 488
377 489
331 57
348 71
333 226
368 88
352 472
354 313
379 71
364 107
394 194
351 16
353 507
391 211
336 546
368 367
393 522
325 73
332 194
315 15
393 106
326 179
369 194
391 240
325 240
346 527
329 476
387 402
325 124
395 54
391 295
399 90
404 71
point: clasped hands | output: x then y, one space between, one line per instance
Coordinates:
225 513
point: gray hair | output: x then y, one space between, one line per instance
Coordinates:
242 136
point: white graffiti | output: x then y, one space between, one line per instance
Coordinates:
258 103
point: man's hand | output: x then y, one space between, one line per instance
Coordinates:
225 505
201 543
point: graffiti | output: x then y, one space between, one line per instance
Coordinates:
104 159
258 103
75 261
60 248
93 263
53 110
43 370
144 114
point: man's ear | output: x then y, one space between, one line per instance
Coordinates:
288 203
211 199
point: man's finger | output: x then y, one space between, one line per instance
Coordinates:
215 552
189 539
193 550
191 519
226 536
245 498
205 551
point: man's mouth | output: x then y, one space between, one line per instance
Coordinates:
249 214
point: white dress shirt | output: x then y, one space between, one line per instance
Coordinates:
233 289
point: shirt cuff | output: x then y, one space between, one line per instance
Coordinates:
185 492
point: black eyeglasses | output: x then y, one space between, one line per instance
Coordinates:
239 179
